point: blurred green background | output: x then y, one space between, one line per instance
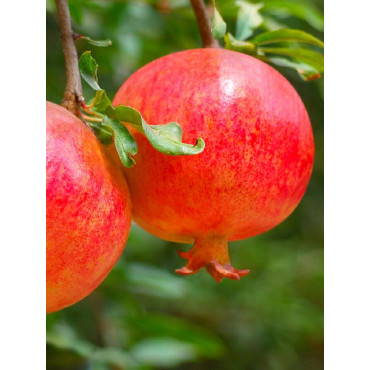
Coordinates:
144 316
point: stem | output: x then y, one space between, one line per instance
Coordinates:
73 92
91 119
204 24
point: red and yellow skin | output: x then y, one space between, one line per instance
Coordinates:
255 166
88 210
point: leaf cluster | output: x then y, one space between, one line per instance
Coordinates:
109 122
281 46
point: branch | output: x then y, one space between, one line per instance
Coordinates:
204 24
73 92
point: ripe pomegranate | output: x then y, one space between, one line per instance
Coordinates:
88 210
253 171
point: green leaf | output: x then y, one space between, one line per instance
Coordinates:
310 57
124 142
103 134
154 282
304 11
232 43
163 352
165 138
89 69
160 138
248 19
218 24
100 43
113 356
100 102
285 35
206 343
126 114
64 337
305 71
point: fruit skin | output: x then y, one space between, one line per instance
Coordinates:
254 169
88 210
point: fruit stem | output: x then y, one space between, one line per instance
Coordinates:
91 119
73 91
213 254
204 24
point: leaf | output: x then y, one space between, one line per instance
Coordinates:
218 24
248 19
89 69
113 356
165 138
242 46
64 337
305 71
124 142
100 102
163 352
100 43
310 57
286 34
167 144
304 11
154 282
103 134
206 343
126 114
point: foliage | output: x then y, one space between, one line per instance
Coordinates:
106 122
144 316
288 53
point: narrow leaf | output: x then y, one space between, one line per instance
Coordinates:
248 19
172 130
242 46
165 138
218 24
313 58
124 142
101 101
100 43
305 71
126 114
89 69
305 11
286 34
159 138
103 134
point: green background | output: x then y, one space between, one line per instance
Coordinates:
144 316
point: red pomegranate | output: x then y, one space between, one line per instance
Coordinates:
88 210
253 171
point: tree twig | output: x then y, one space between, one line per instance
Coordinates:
204 24
73 92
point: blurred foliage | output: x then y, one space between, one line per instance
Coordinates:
144 316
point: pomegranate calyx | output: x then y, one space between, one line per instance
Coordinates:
213 254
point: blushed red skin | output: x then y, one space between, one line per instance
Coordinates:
256 164
88 210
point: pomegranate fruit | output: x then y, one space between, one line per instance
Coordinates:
253 171
88 210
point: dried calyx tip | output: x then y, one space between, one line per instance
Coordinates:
211 253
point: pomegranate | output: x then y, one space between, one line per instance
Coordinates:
88 210
253 171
